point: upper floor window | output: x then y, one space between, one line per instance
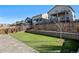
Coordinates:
67 18
67 13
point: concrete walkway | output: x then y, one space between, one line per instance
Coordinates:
11 45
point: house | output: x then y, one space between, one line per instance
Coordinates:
22 25
61 13
39 19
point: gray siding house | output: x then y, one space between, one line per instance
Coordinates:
61 13
38 19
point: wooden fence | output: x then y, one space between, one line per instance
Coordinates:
65 27
6 30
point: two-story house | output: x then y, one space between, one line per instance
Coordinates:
38 19
61 13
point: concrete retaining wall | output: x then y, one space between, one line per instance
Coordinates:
57 34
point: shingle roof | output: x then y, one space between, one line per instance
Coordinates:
62 5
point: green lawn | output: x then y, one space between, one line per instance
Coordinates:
39 42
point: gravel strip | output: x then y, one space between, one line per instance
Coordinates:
9 44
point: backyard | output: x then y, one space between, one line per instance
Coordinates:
39 42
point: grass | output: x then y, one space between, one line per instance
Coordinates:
70 46
39 42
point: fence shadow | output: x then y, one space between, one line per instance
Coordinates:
70 46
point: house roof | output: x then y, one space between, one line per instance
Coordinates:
62 5
37 15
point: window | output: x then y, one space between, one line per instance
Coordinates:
37 20
67 13
67 18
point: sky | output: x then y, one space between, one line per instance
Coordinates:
12 13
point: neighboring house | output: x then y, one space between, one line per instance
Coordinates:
4 25
23 25
61 13
38 19
28 22
77 20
